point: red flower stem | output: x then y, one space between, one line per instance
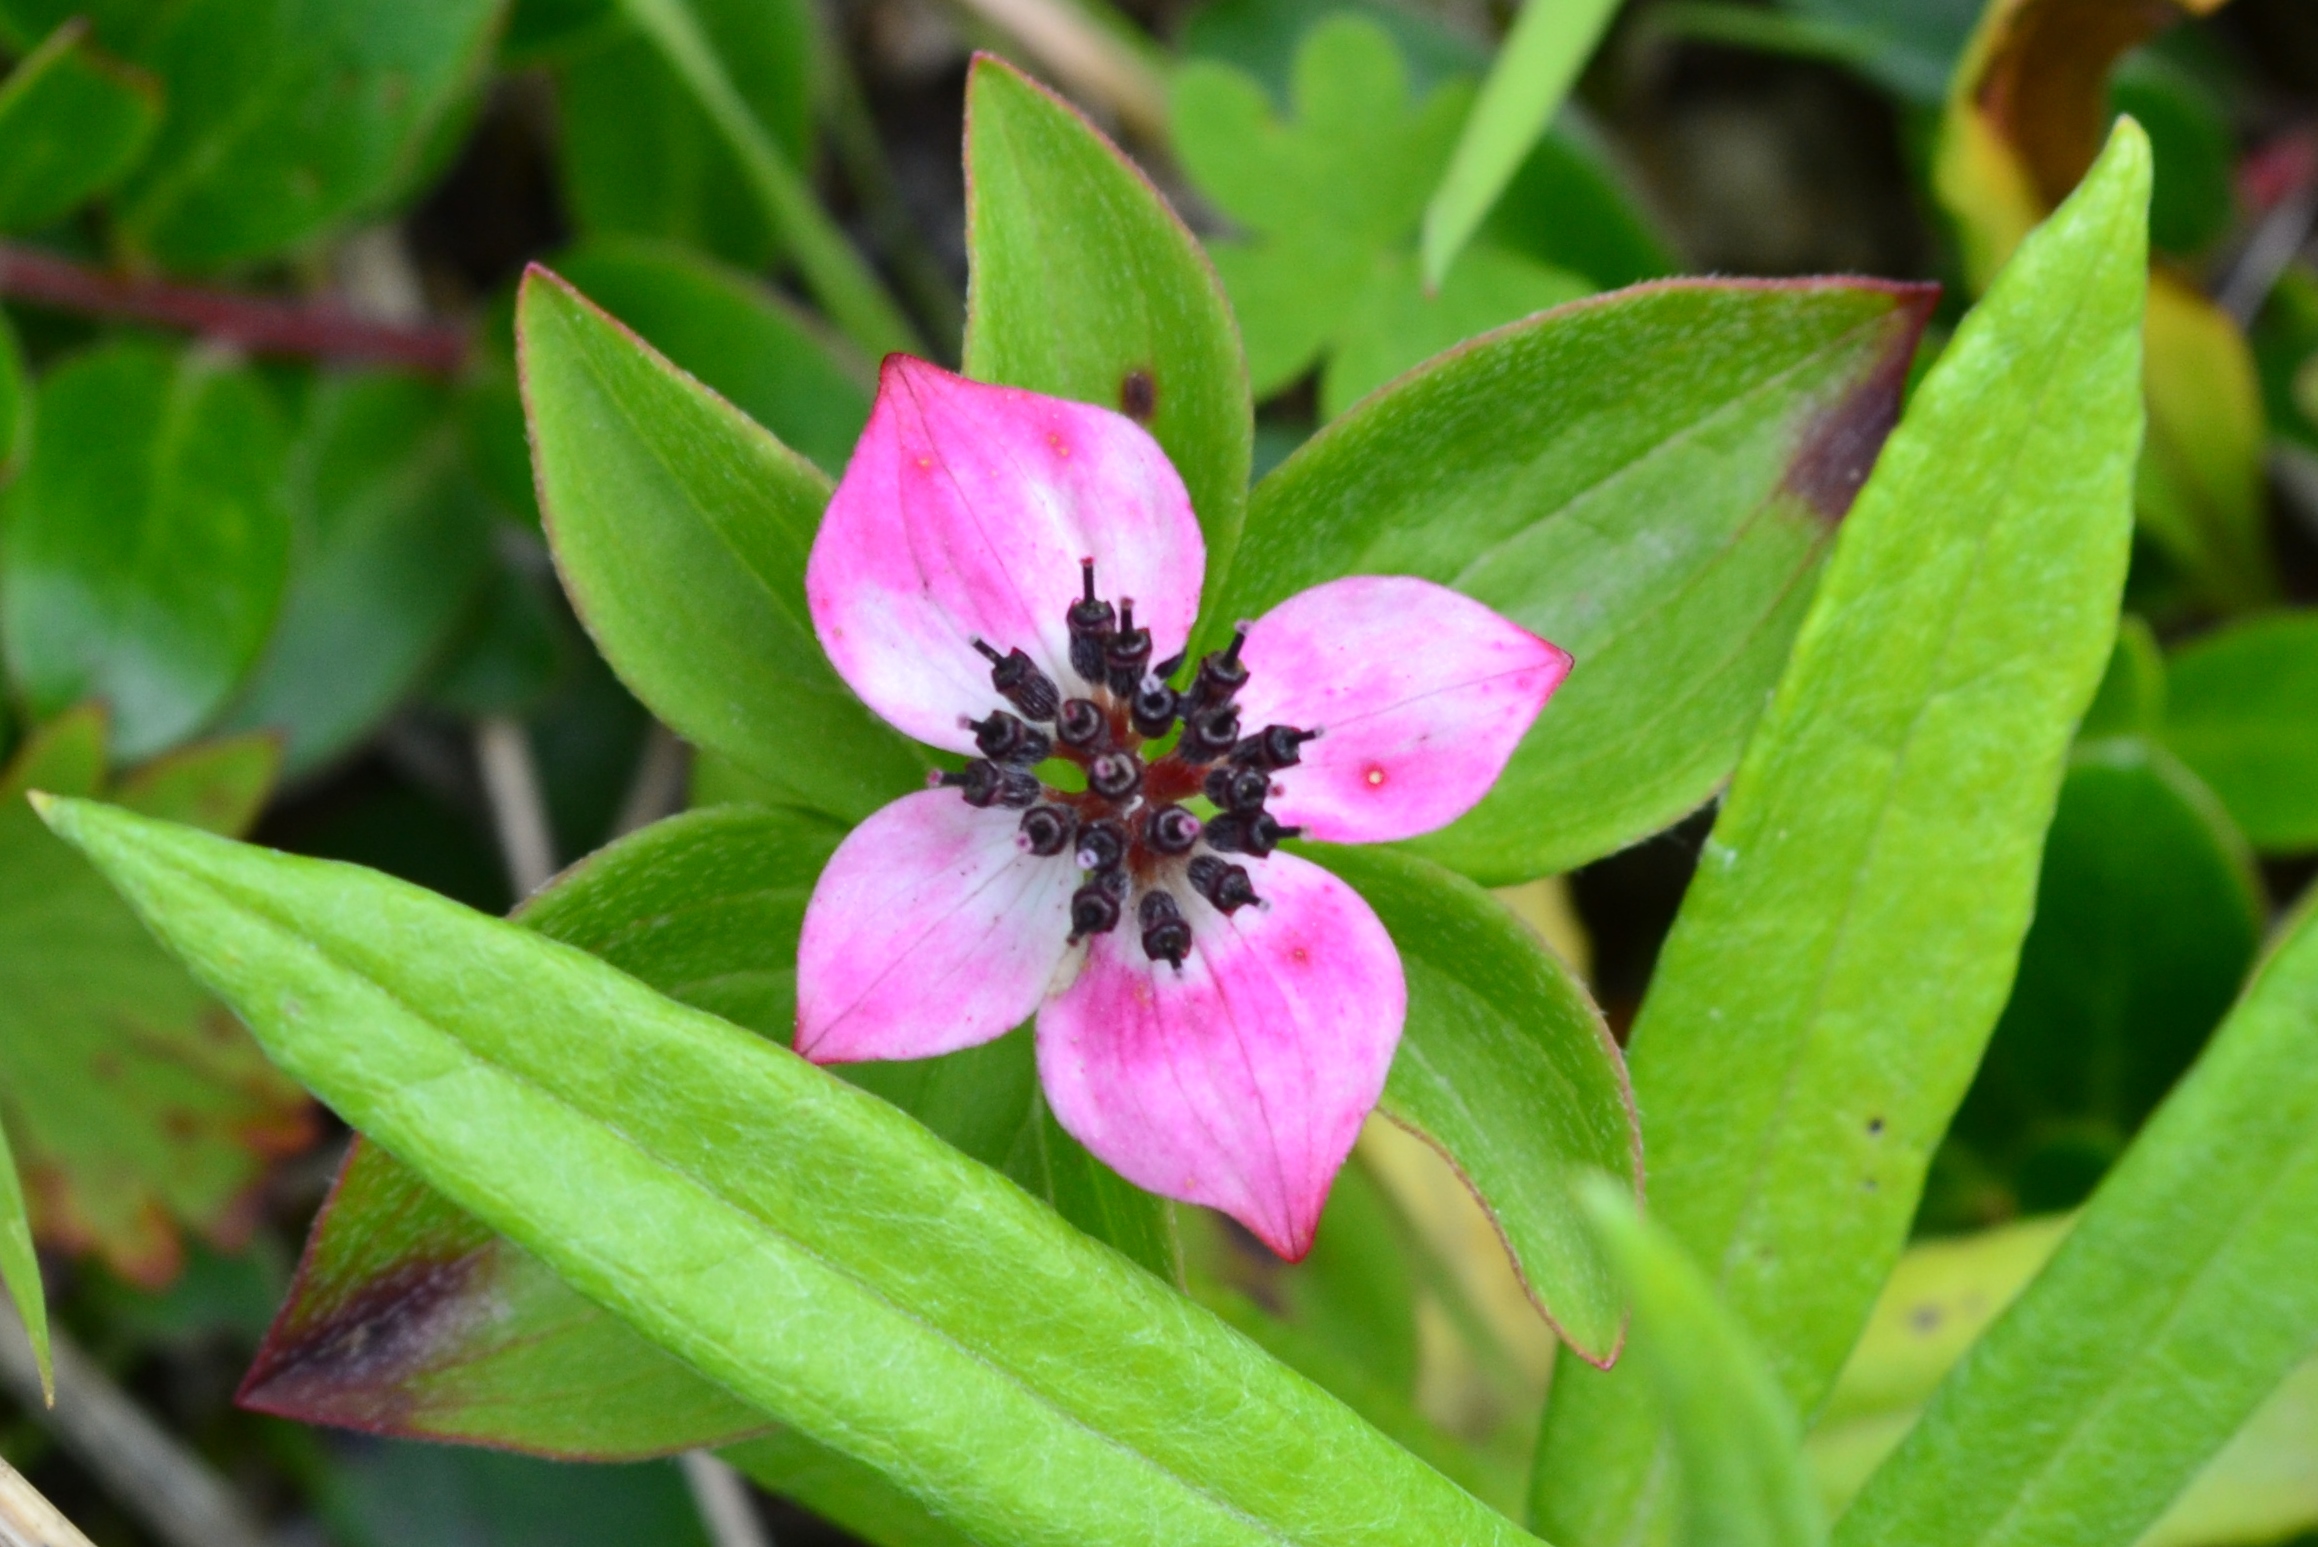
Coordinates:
259 324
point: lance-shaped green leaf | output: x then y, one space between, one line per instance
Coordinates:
2178 1303
72 124
20 1266
1736 1444
147 544
1845 948
1506 1068
681 531
842 1491
1649 480
2242 709
1087 286
801 1243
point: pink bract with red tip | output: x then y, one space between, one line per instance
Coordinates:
1215 1017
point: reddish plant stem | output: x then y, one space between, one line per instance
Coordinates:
259 324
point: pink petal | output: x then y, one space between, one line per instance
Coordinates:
1239 1082
1422 695
963 515
929 931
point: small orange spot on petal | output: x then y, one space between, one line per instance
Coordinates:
1374 776
925 461
1299 955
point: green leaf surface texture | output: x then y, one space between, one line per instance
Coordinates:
1844 950
1087 286
815 1252
681 531
147 545
1648 479
1735 1438
20 1266
285 118
2175 1307
391 544
2242 710
1506 1067
72 124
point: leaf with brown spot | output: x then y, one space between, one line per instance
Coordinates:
138 1107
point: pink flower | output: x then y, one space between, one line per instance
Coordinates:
1214 1018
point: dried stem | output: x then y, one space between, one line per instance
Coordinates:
260 324
518 808
27 1519
723 1497
657 788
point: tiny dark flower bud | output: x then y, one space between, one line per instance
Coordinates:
1091 622
1127 653
1115 775
1009 740
1247 832
1083 725
1275 746
1019 681
1166 938
1171 830
1102 845
1154 710
1225 885
984 783
1238 789
1094 910
1221 674
1049 829
1208 733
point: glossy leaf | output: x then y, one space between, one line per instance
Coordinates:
1539 62
20 1266
760 354
2174 1308
681 531
1506 1068
639 157
392 545
72 124
1649 480
2148 913
2242 710
147 544
1086 285
816 1253
1736 1444
284 120
136 1107
1842 955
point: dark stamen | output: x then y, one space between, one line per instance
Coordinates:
1083 725
1115 775
1275 746
1166 938
1127 654
1048 830
1209 733
1154 709
1255 833
1166 669
1102 844
1090 622
1221 674
985 783
1017 678
1171 830
1009 740
1094 910
1225 885
1238 789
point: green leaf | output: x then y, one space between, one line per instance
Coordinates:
15 410
1736 1443
1506 1068
812 1250
2131 700
392 546
72 124
681 531
1263 38
116 25
391 1495
1844 950
20 1267
854 1497
136 1106
2178 1303
1570 206
845 286
287 118
1649 480
2261 1486
760 354
1087 286
218 786
1396 324
2242 710
147 545
1550 42
2148 913
639 156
